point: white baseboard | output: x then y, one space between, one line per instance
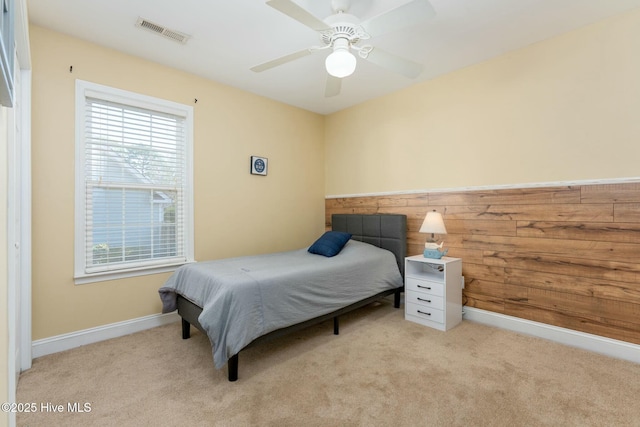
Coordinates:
88 336
595 343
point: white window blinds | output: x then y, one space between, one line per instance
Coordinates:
135 186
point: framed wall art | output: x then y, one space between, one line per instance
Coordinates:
259 165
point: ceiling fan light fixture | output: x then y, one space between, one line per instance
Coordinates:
340 63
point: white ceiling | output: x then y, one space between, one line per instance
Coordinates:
230 36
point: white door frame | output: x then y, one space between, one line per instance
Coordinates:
23 52
25 340
14 228
19 209
19 233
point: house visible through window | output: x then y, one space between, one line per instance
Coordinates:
133 185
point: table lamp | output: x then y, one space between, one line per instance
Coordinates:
433 224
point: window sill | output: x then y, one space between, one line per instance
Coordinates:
123 274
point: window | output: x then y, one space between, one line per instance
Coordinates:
133 184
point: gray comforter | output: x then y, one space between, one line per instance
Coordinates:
245 298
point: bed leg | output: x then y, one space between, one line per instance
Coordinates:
336 326
396 299
232 366
186 329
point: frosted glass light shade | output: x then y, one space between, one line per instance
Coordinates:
340 63
433 223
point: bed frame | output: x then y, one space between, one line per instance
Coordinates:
387 231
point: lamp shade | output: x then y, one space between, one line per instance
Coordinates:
433 223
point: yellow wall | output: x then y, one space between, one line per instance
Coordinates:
235 213
559 110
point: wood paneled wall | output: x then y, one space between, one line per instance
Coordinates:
567 256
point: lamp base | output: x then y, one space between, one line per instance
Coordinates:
434 253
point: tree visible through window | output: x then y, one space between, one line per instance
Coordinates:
135 188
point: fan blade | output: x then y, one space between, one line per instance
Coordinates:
334 84
394 63
404 16
279 61
294 11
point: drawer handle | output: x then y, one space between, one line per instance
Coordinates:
422 312
425 287
425 300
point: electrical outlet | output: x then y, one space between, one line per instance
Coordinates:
462 280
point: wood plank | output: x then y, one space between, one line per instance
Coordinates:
458 241
468 256
351 202
559 212
509 196
611 193
415 238
484 287
415 249
330 204
516 293
590 268
419 199
484 227
413 213
614 330
594 308
416 215
623 252
482 272
584 286
484 243
484 302
601 231
412 200
626 212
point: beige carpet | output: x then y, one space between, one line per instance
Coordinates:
380 371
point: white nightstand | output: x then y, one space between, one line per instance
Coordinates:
433 291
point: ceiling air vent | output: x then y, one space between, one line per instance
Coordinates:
163 31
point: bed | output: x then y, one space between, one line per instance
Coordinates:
238 302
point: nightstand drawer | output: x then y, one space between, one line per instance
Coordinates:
426 313
433 288
425 300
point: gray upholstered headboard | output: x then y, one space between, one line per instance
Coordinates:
387 231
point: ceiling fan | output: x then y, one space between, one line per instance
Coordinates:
343 33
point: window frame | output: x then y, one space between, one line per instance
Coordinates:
86 89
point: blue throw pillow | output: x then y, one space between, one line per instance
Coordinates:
330 243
